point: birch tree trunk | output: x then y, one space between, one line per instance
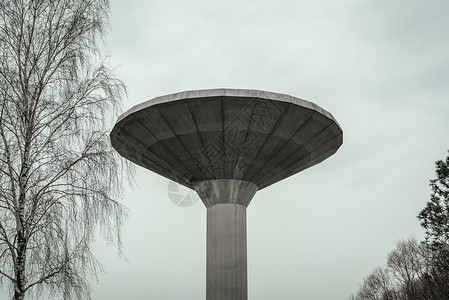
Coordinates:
59 176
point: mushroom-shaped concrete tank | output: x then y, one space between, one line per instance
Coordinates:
226 144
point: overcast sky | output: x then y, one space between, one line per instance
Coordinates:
380 67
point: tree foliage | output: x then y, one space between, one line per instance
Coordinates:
418 271
435 216
410 274
59 176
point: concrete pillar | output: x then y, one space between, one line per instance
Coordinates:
226 264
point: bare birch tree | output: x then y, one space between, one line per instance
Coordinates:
410 274
377 286
406 264
59 177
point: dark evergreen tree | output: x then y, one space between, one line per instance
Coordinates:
435 216
417 270
435 220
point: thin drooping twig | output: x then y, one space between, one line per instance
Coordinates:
60 179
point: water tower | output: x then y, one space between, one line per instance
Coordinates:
226 144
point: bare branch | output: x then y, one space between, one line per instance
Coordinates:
60 180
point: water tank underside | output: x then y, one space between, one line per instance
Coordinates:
248 135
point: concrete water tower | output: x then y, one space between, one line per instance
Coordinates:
226 144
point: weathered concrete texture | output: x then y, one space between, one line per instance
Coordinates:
217 191
253 136
226 144
226 268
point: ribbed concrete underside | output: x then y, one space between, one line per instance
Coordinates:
247 135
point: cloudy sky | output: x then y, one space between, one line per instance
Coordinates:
380 67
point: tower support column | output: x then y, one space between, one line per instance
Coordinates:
226 264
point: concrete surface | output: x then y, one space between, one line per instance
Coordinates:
254 136
217 191
226 263
226 144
